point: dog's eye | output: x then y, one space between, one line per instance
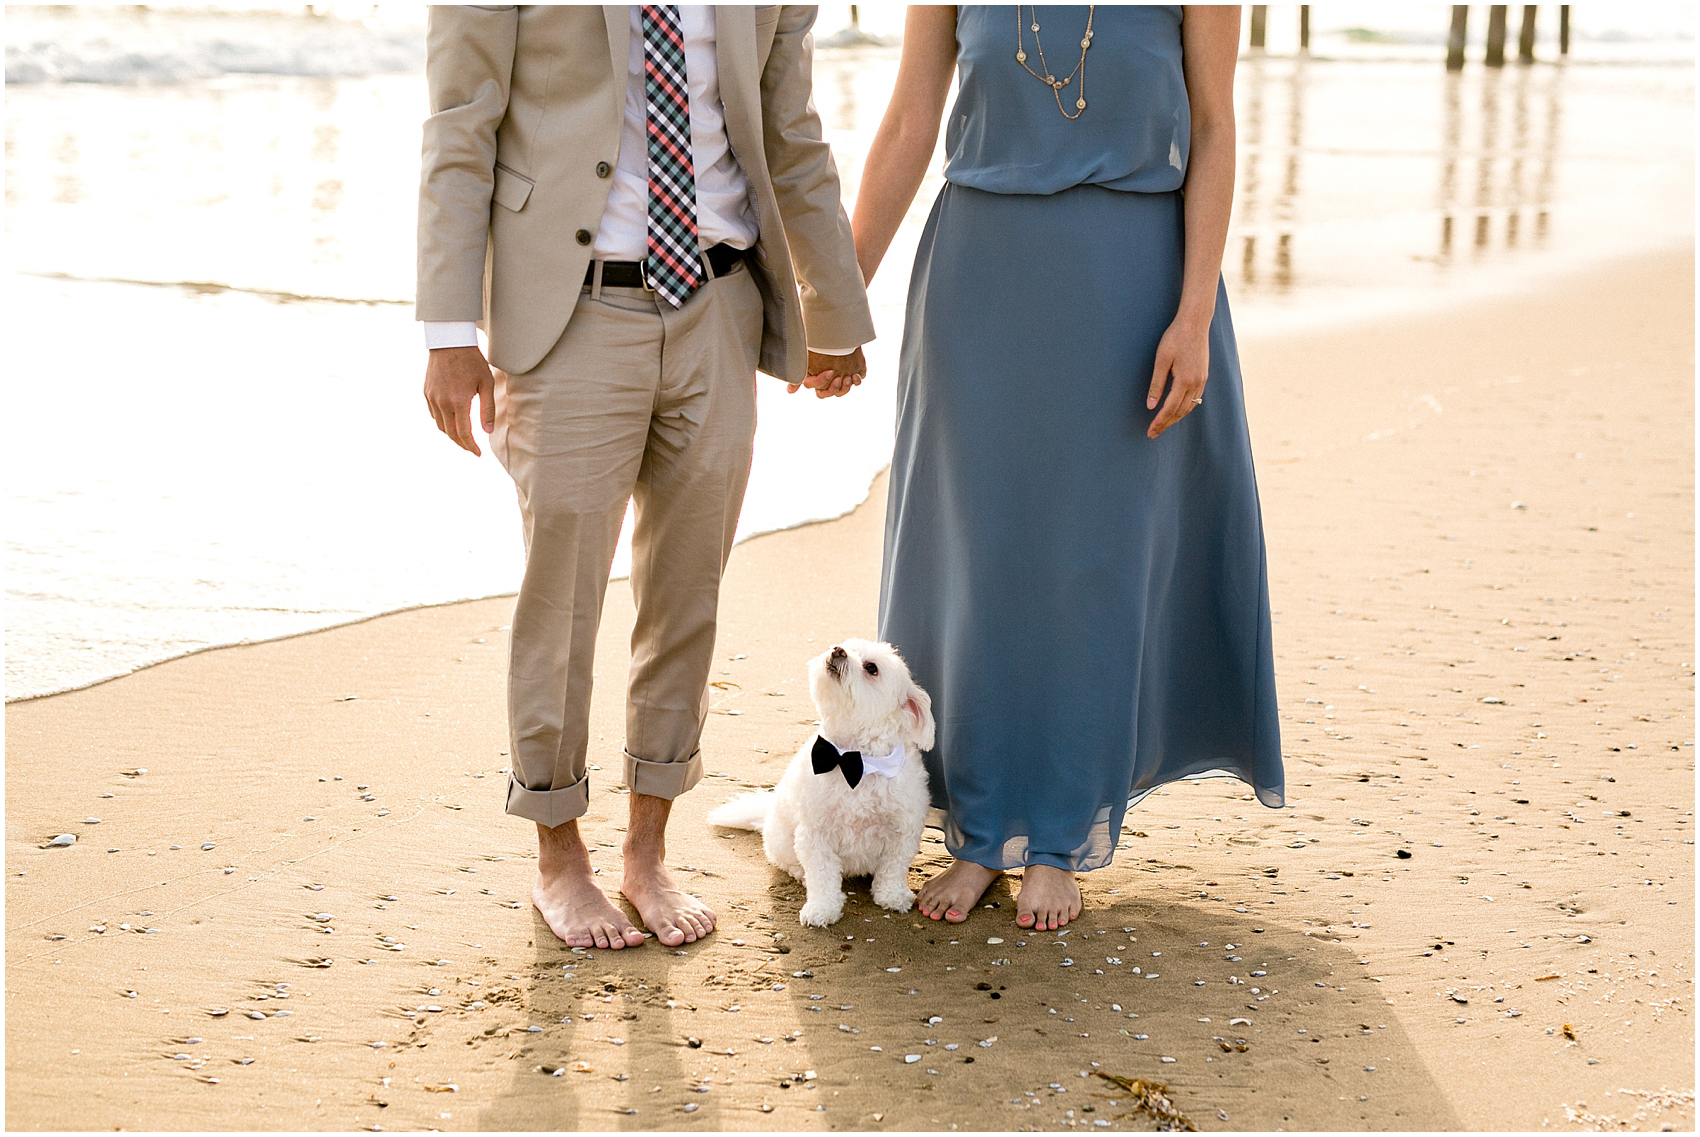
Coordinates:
871 667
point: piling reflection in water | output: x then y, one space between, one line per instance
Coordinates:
1335 155
1282 144
1513 178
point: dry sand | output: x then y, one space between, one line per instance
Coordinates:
1480 531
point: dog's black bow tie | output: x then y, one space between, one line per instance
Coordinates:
825 757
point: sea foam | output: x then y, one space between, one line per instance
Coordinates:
129 46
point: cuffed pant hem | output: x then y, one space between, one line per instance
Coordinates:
549 807
662 779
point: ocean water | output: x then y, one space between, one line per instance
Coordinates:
217 433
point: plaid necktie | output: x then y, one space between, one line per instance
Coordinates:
673 263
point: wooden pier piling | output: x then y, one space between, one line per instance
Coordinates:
1455 37
1526 36
1495 56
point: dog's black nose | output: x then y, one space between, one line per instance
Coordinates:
837 653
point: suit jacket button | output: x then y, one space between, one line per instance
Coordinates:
603 169
582 236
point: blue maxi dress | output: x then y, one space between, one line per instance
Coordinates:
1088 607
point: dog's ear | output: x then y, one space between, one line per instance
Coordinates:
919 707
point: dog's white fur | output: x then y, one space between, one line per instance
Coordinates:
818 829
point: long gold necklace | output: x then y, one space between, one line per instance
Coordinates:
1022 27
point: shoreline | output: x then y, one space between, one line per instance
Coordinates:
1461 537
370 616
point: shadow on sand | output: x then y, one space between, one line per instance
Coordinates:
768 1025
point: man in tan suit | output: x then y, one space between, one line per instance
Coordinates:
637 207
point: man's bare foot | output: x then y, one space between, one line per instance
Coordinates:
674 915
567 896
1049 898
952 894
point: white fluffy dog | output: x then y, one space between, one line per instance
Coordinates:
854 800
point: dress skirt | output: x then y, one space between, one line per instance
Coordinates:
1088 608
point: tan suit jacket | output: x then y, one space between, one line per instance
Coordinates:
527 105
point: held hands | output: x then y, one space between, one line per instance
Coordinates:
452 377
830 376
1183 355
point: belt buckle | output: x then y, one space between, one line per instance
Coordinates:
643 275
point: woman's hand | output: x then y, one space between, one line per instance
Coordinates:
1210 38
1183 365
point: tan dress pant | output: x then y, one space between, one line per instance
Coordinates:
641 402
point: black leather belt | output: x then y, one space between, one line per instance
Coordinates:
722 258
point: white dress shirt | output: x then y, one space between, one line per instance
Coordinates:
726 212
725 209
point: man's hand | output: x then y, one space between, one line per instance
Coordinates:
832 375
452 377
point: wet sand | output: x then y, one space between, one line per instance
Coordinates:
1480 532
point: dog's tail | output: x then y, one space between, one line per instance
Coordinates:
746 811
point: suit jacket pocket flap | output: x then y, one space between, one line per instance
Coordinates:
511 189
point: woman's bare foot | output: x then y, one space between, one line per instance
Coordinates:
952 894
674 915
1049 898
567 896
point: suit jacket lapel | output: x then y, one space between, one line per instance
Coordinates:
619 17
740 85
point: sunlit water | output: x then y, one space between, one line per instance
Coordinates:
215 427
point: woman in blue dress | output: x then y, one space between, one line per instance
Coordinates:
1074 561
